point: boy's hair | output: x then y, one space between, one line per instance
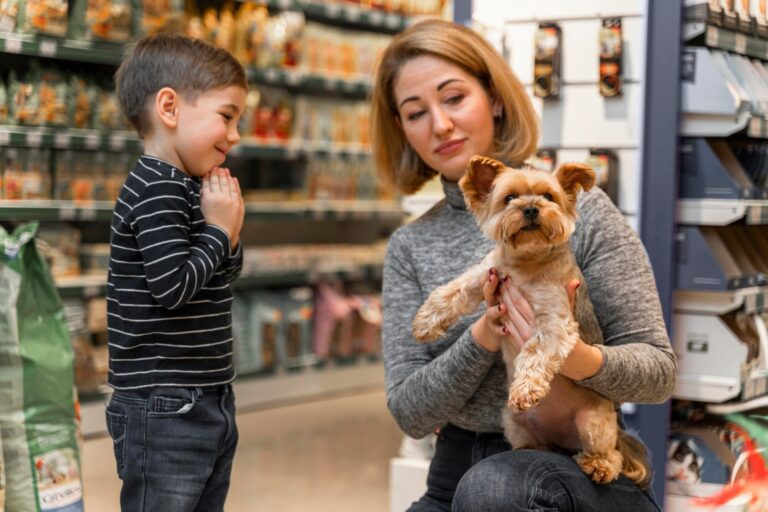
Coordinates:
516 132
187 65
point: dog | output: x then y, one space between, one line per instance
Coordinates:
531 214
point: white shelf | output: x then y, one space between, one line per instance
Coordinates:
265 391
751 300
721 212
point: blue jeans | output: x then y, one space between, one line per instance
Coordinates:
173 447
473 472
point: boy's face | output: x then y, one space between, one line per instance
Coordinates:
207 128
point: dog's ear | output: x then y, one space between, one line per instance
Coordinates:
574 177
477 181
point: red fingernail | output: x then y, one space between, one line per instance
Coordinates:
505 278
499 307
504 330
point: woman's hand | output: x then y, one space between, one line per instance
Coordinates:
489 330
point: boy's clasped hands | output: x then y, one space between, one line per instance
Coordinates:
222 203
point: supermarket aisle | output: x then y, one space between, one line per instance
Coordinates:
329 455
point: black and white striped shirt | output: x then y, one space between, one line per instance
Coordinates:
168 298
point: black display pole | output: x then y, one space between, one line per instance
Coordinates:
659 191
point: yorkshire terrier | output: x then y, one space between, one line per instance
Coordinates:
531 214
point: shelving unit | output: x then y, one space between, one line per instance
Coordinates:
345 219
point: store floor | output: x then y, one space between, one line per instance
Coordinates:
328 455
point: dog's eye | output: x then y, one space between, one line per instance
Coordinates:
509 198
548 197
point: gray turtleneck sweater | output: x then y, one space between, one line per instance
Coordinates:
454 379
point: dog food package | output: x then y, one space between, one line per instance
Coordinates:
37 410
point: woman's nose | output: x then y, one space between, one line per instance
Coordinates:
441 122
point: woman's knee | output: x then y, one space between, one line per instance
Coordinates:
509 481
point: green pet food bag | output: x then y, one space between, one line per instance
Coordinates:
37 410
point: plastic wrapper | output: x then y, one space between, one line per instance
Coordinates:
45 17
37 409
154 16
9 15
105 20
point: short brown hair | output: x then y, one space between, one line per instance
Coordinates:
516 131
187 65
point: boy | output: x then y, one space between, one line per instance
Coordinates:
174 251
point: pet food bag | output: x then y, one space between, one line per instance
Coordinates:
37 410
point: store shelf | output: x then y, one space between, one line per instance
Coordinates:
360 210
748 300
259 392
726 39
348 15
90 286
69 138
293 149
62 49
736 407
721 212
310 82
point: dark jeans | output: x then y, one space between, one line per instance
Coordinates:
174 447
474 472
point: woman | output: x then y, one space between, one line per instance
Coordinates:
441 95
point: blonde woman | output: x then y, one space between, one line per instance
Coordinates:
441 95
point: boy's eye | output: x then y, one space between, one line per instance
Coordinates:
227 117
510 198
548 197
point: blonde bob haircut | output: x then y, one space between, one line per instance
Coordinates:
516 130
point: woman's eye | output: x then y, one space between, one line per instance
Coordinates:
415 115
548 197
509 198
453 100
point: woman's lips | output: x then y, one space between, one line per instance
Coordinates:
450 147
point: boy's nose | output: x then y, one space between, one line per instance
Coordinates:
233 137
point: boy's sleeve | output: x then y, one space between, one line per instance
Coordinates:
177 264
233 264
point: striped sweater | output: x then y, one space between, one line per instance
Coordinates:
168 297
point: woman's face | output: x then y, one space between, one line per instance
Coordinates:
445 113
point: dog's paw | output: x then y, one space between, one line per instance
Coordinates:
424 329
523 397
600 468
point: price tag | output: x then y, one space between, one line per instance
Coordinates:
292 78
352 13
270 75
330 83
284 4
740 44
61 140
713 36
48 48
332 9
13 45
349 85
393 20
117 142
88 214
34 139
376 17
5 138
67 213
92 141
91 291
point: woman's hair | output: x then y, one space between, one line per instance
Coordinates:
516 131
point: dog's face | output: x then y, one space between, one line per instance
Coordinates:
524 207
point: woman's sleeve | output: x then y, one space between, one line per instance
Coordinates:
638 362
423 392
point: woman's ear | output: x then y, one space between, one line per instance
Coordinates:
167 106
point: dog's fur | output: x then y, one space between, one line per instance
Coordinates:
531 214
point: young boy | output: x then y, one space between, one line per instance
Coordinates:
174 252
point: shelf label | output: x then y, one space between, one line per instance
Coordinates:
67 213
92 140
292 78
13 45
88 214
284 4
376 17
91 291
352 13
332 10
392 20
270 75
48 48
117 142
5 138
35 139
61 140
713 36
740 43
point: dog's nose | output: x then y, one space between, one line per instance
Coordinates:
530 212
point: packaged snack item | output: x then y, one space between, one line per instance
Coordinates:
53 97
36 181
153 16
81 104
223 35
106 20
98 176
25 99
9 14
13 177
64 166
82 183
62 248
45 17
250 28
108 115
298 310
3 102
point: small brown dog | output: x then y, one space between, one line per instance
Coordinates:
531 214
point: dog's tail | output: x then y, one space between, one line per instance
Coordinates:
636 466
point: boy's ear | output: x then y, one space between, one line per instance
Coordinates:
167 106
477 181
574 177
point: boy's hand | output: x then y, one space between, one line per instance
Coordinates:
222 203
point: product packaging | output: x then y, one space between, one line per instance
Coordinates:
37 410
